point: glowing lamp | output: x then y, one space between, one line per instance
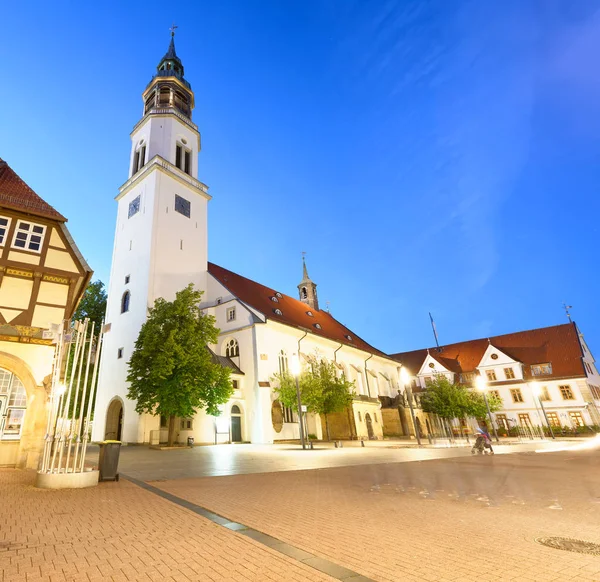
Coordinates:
295 365
404 376
480 383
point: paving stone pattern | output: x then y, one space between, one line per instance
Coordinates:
460 519
120 532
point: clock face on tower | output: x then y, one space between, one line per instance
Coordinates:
134 206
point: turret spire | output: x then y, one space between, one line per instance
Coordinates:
307 288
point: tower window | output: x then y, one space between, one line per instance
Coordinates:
29 236
125 302
304 293
119 353
182 206
183 159
139 159
127 279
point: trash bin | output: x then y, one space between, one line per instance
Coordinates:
190 441
109 460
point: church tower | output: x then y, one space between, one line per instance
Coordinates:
308 289
160 240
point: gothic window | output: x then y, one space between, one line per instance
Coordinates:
29 236
232 349
283 362
4 224
125 302
182 206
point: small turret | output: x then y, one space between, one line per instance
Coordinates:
308 289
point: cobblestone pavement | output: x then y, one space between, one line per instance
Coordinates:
466 518
120 532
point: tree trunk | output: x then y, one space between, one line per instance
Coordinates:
171 439
327 427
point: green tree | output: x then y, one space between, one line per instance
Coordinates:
476 404
322 391
446 399
92 304
171 371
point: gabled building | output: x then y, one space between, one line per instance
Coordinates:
42 279
556 358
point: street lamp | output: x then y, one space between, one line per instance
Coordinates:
482 387
405 379
537 391
295 368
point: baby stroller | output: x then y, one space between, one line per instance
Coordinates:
482 444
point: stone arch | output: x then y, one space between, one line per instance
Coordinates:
31 442
113 428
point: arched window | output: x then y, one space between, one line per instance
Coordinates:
235 409
232 349
304 293
13 402
283 362
125 302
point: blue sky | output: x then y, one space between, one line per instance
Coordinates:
428 156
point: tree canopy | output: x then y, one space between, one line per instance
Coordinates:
449 400
322 390
171 371
92 304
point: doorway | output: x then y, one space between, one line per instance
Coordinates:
236 424
114 421
369 422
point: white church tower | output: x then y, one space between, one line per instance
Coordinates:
160 240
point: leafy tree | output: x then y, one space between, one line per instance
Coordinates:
322 391
171 371
92 304
449 400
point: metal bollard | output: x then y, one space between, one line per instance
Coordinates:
362 442
311 445
336 444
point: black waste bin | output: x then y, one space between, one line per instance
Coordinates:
190 441
109 460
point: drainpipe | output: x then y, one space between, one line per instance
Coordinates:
301 415
336 351
367 375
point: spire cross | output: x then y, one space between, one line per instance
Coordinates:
173 28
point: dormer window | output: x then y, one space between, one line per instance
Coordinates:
277 311
310 314
541 369
29 236
274 299
183 159
318 325
349 338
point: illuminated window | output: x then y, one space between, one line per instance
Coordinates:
491 375
509 373
553 418
576 418
566 393
495 393
516 395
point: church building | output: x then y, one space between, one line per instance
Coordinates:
161 246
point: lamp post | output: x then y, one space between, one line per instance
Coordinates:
405 379
537 391
482 387
295 367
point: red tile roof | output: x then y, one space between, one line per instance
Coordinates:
17 195
558 345
293 311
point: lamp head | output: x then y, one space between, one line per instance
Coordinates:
535 388
404 376
295 365
61 389
480 383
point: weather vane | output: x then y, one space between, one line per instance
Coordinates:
567 307
173 28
